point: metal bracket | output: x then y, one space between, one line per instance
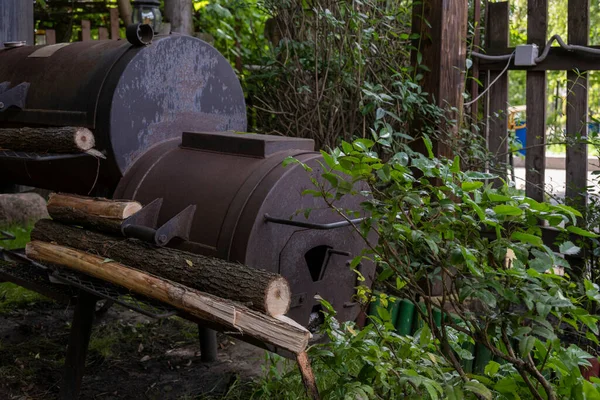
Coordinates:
7 236
312 225
13 97
142 225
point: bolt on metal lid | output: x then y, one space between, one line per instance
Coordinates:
14 44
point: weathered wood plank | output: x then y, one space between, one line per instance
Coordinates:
114 23
497 118
102 33
86 33
577 109
50 36
442 26
475 68
535 159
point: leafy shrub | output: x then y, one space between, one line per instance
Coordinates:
447 239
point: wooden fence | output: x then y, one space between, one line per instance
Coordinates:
496 103
86 29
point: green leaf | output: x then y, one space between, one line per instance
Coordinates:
492 368
289 160
504 209
526 345
455 165
568 248
470 186
479 389
581 232
497 197
428 144
479 175
331 178
590 391
527 238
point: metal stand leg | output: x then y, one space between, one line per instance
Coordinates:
208 344
78 344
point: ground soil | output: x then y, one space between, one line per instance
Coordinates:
130 357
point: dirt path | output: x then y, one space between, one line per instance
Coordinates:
130 357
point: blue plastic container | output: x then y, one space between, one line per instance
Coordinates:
521 136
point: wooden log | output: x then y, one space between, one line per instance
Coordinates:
308 377
276 331
258 289
65 139
95 213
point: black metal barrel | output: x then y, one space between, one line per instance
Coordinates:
236 181
131 97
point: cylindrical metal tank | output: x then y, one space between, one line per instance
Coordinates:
131 97
236 182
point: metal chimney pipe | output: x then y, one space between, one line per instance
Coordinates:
16 21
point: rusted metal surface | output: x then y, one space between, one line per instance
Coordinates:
233 190
131 97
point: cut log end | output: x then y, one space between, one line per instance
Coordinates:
84 139
278 297
130 209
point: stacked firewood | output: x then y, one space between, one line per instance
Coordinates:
84 236
65 139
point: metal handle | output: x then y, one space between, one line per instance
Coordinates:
312 225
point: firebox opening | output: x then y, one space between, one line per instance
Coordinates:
315 259
316 318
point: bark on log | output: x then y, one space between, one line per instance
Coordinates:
95 213
21 209
258 289
233 316
65 139
308 377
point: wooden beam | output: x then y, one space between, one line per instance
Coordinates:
102 33
114 23
577 109
475 68
497 97
558 59
50 36
86 33
442 28
535 159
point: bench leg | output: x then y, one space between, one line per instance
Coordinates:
79 339
208 344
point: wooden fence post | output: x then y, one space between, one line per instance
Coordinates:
114 23
442 26
102 33
86 33
577 109
535 158
50 36
497 118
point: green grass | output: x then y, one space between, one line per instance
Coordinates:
22 237
13 296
